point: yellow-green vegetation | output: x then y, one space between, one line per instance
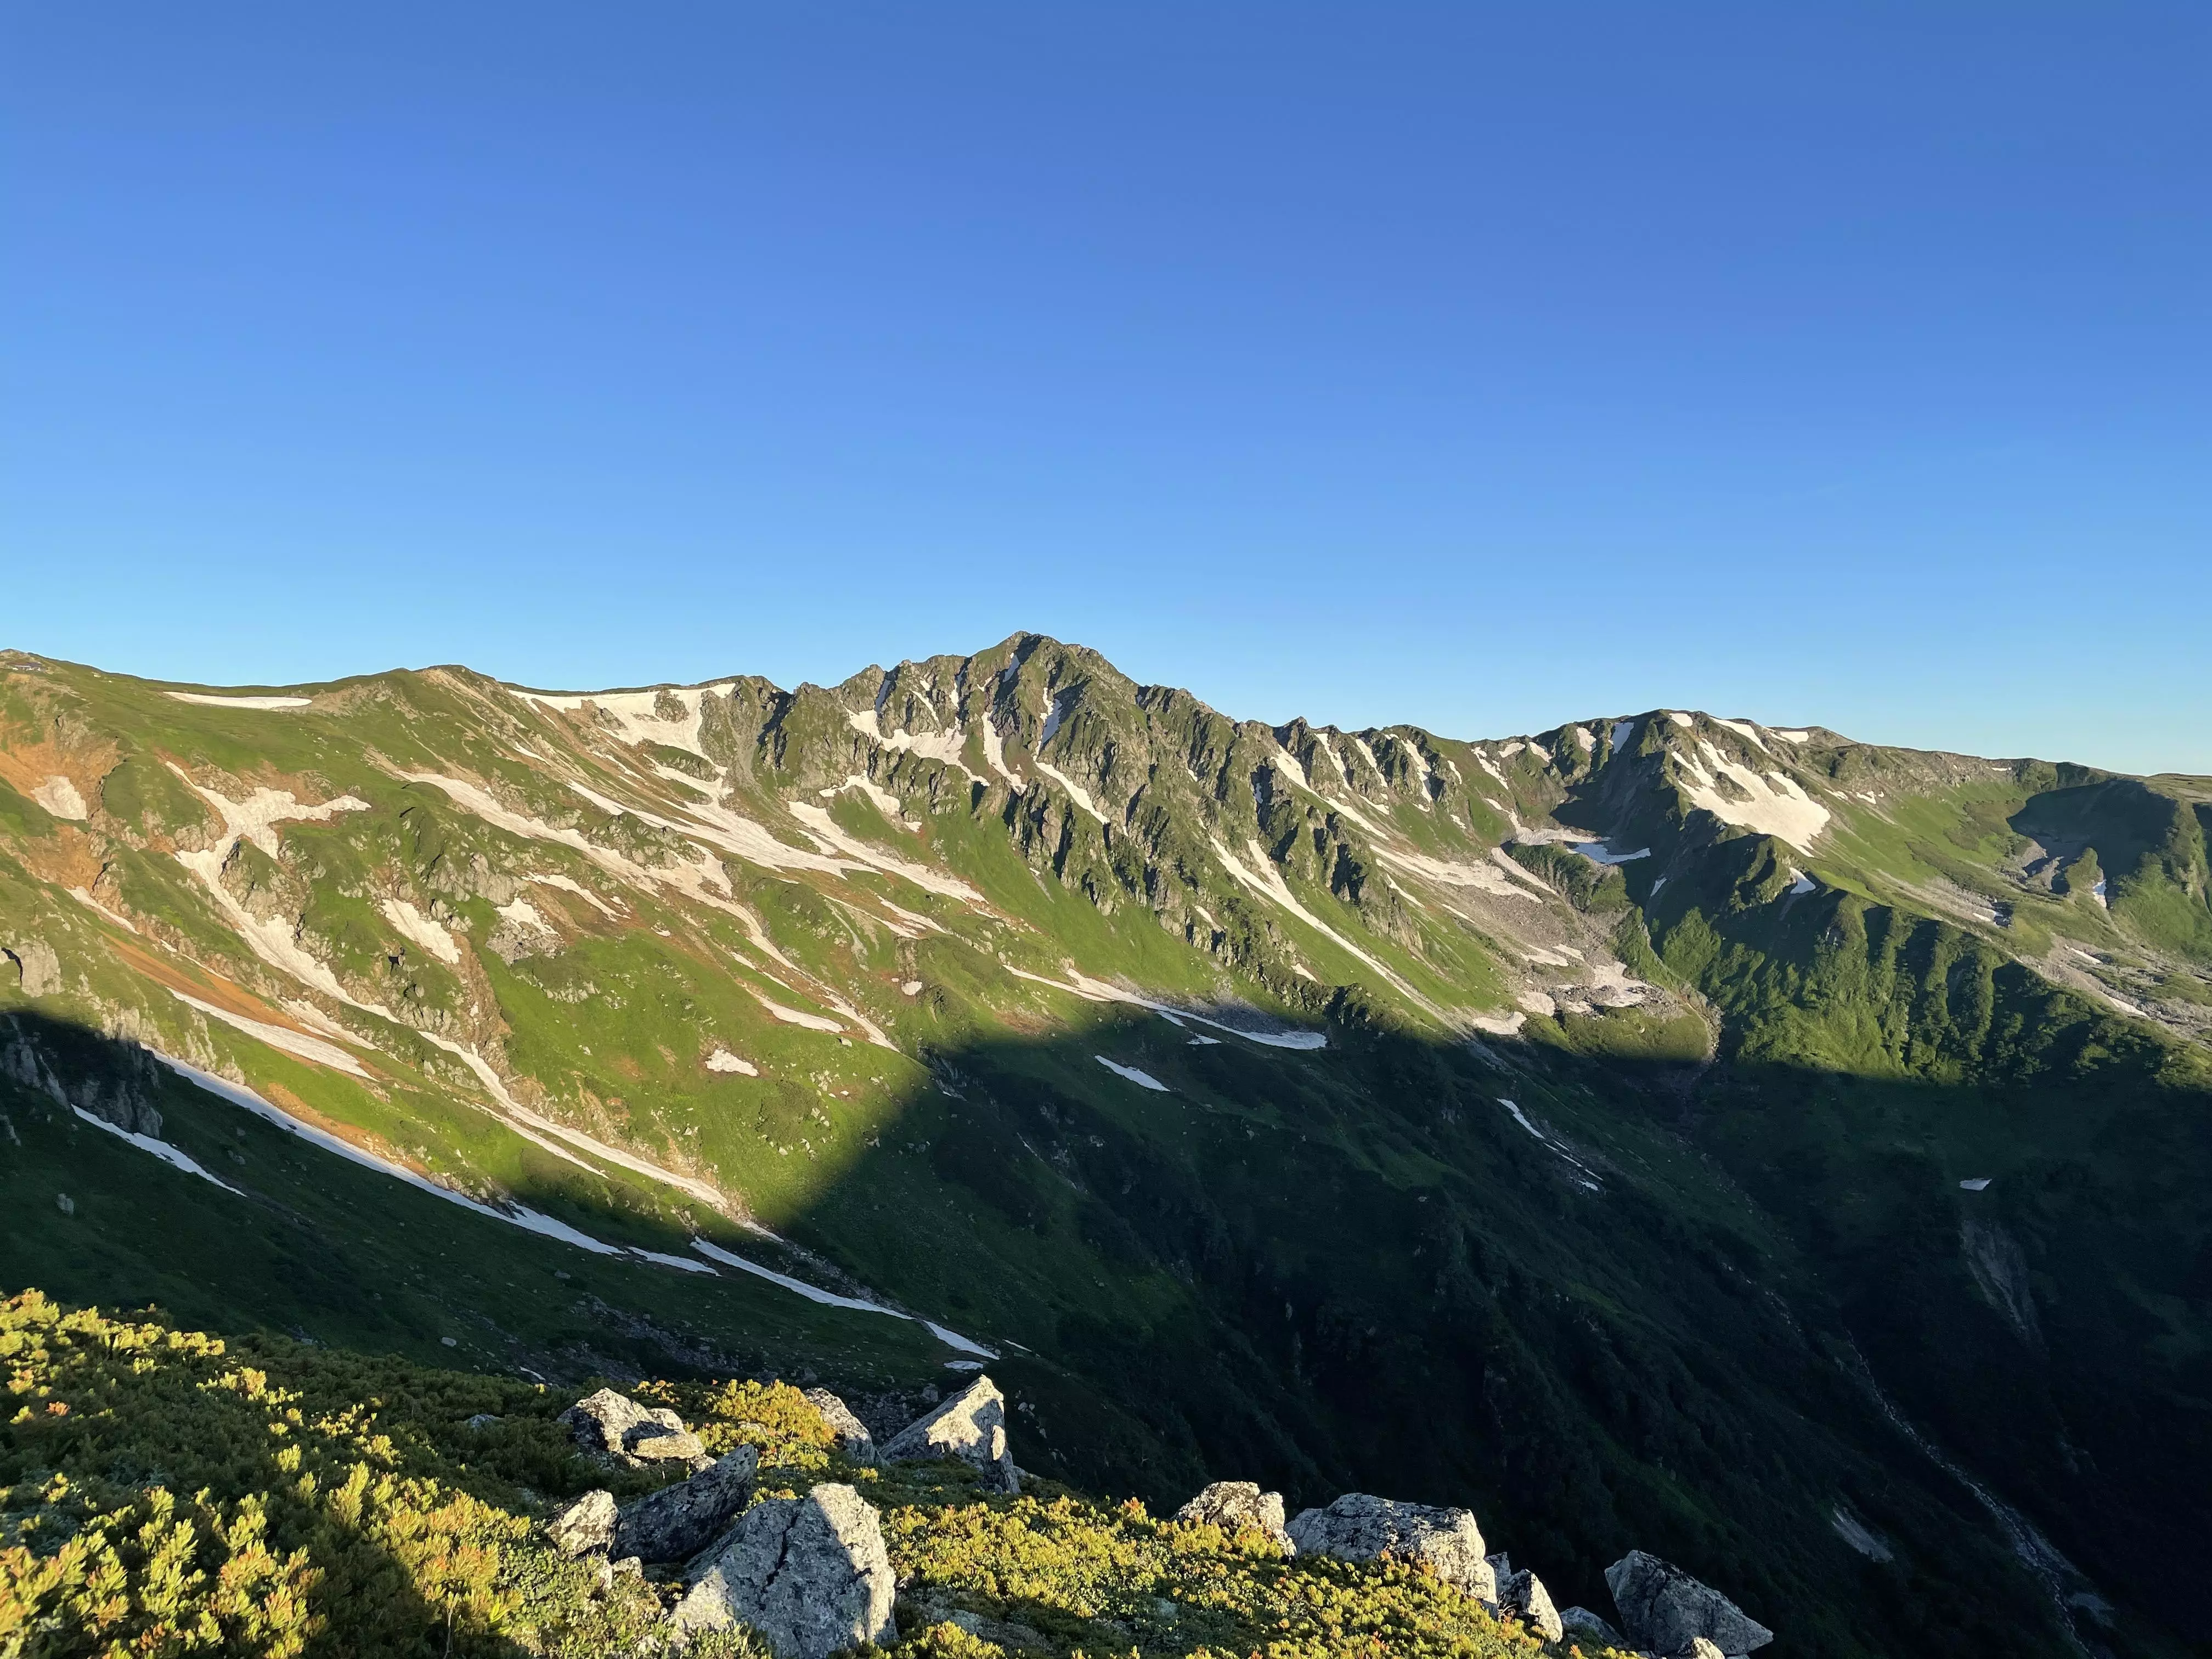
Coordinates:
166 1491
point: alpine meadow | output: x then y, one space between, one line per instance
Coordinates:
499 1171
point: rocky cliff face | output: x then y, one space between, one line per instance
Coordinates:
1607 1101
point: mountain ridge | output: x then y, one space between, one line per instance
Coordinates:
953 982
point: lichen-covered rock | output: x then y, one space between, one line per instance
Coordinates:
810 1576
1580 1625
678 1522
1231 1504
1664 1609
586 1526
1701 1648
1523 1594
972 1426
613 1425
853 1436
1358 1527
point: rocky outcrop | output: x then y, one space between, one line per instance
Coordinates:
1522 1594
585 1527
809 1576
678 1522
34 965
970 1426
1232 1505
1664 1609
615 1427
1358 1527
1580 1625
853 1436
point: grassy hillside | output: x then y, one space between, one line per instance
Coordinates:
1572 1127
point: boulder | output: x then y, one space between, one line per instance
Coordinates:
1701 1648
678 1522
853 1436
1361 1528
613 1425
587 1525
1664 1609
38 970
1232 1504
972 1426
1582 1625
809 1576
1523 1594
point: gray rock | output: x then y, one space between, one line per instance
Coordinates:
1664 1609
1701 1648
483 1420
614 1426
1523 1593
1361 1528
678 1522
587 1525
1231 1504
1501 1565
1585 1626
36 965
809 1576
853 1436
656 1444
972 1426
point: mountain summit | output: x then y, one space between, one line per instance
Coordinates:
1663 1132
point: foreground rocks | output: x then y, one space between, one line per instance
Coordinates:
679 1520
586 1526
810 1576
615 1427
1522 1594
1358 1527
1233 1504
1580 1625
853 1439
1665 1610
970 1426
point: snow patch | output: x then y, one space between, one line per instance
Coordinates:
60 798
86 899
1802 883
884 801
1858 1536
1499 1025
298 1044
1772 804
416 928
723 1060
636 714
1076 790
1620 731
794 1017
1482 878
1742 729
1099 990
161 1149
1598 852
212 700
1142 1079
570 885
1679 718
1978 1183
1265 880
1792 737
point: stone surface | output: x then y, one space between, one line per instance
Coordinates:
853 1436
1664 1608
613 1424
1358 1527
1701 1648
1523 1593
658 1445
678 1522
1584 1625
36 965
585 1525
1230 1504
809 1576
972 1426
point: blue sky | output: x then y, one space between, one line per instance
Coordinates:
1481 367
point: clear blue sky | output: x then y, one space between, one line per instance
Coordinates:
1481 367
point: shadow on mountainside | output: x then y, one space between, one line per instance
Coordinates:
1635 1308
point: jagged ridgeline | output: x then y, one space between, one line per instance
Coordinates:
1780 1154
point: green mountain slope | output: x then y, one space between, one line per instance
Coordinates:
1571 1126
